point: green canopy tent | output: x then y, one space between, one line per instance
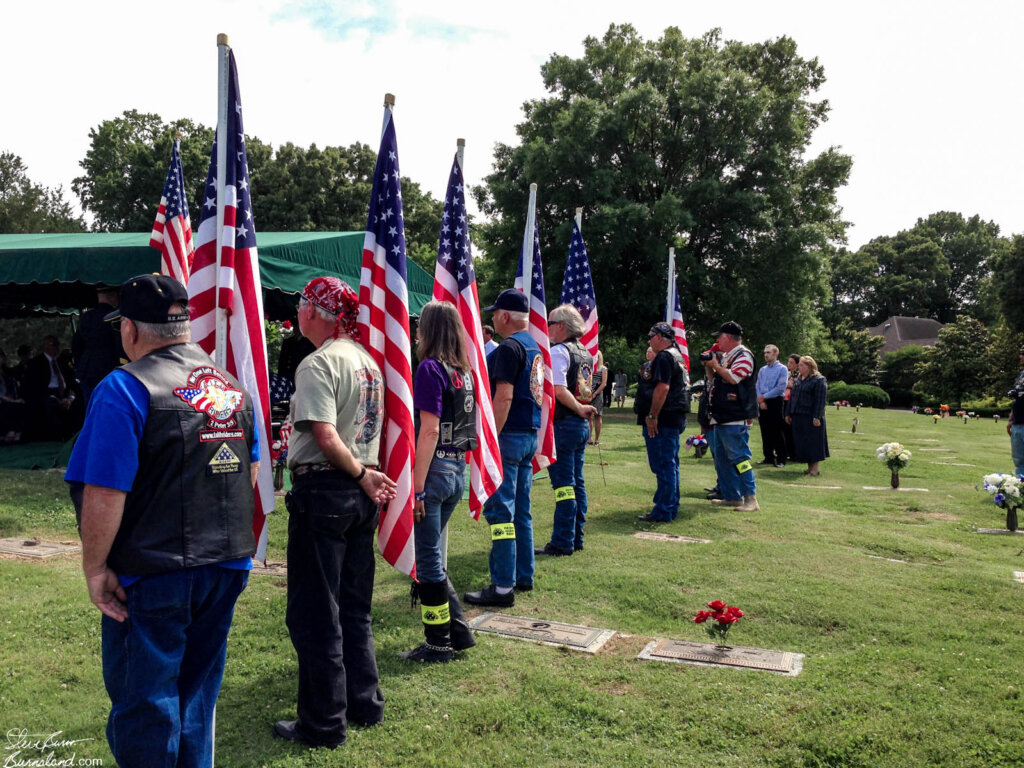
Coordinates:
59 273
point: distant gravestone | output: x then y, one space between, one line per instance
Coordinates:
890 488
1018 576
824 487
574 636
653 536
998 532
35 548
707 654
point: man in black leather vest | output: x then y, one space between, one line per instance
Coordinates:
168 456
665 421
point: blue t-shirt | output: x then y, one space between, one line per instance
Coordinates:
107 450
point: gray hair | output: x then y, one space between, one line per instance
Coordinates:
167 331
570 318
518 317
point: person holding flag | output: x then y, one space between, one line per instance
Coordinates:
572 370
337 413
517 390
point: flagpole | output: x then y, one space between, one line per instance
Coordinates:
460 151
579 220
389 104
670 298
527 253
220 313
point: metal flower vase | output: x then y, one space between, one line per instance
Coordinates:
894 481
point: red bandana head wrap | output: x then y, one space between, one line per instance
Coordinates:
334 295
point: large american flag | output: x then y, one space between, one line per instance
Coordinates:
240 291
675 319
539 332
172 230
578 289
384 325
455 282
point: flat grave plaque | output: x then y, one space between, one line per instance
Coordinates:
998 532
823 487
654 536
36 548
682 651
889 488
934 449
574 636
1018 576
953 463
271 569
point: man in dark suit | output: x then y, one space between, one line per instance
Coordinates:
47 393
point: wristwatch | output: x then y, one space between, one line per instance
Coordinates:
652 416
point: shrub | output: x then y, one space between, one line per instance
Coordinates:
863 394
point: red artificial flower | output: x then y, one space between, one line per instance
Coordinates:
726 618
701 617
287 325
717 605
735 612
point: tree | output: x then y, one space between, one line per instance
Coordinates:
692 143
940 268
26 207
900 373
294 189
958 365
1008 279
854 355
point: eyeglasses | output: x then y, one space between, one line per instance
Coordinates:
555 322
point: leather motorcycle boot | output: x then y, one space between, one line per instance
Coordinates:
436 625
461 635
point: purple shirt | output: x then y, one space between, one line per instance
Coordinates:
429 387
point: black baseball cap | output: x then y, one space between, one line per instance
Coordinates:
732 328
662 329
148 299
511 299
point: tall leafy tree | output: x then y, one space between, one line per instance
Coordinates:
27 207
854 355
295 189
1008 282
694 143
958 365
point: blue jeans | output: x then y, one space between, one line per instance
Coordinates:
1017 447
571 435
511 559
163 666
331 525
663 458
444 485
731 449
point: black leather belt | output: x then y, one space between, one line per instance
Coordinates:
324 466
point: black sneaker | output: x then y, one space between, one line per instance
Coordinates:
714 495
547 549
521 587
489 596
650 518
425 652
290 730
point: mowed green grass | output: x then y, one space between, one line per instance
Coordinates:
911 624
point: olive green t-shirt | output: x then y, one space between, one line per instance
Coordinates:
337 384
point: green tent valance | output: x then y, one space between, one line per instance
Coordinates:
59 273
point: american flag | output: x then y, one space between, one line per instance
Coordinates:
240 291
172 230
384 325
675 319
539 332
455 282
578 289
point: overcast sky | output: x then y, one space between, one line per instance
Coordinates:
926 96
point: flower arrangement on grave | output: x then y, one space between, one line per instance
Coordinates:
896 457
1008 493
279 453
699 444
719 620
928 411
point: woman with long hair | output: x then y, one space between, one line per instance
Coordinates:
805 411
444 399
599 380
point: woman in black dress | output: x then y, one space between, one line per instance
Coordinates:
805 411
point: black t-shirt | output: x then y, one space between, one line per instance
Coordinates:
506 363
1017 411
662 369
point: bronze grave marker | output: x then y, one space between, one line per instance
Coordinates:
654 536
574 636
36 548
707 654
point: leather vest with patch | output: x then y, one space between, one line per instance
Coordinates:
527 390
457 425
192 500
577 377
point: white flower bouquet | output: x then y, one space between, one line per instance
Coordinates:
1007 492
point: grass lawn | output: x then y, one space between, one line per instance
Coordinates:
911 624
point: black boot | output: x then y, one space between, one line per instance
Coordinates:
461 634
436 624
